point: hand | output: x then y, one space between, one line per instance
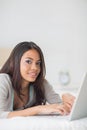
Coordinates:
52 108
68 101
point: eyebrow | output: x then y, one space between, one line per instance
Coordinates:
32 58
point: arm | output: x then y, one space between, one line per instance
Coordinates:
41 109
5 95
50 95
26 112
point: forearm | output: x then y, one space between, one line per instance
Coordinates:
41 109
26 112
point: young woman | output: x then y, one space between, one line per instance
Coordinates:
24 91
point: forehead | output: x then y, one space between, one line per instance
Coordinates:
34 54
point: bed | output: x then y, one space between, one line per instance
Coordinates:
43 123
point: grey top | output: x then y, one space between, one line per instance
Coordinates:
7 95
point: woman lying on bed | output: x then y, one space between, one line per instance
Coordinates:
24 91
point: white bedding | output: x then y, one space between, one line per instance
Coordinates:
43 123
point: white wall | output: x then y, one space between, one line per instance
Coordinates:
58 26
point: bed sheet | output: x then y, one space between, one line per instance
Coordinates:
42 123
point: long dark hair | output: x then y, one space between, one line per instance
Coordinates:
12 68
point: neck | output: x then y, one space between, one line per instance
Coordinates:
25 84
24 90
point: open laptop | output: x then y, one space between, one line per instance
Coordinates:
79 109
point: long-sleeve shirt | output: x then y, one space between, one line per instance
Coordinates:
7 95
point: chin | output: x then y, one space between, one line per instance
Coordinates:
32 80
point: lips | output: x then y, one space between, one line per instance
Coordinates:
33 74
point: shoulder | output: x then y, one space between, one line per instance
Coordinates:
47 85
6 95
5 81
50 95
4 76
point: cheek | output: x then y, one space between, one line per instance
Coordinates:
23 68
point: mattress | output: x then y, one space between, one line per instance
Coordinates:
43 123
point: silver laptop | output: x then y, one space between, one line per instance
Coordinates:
79 109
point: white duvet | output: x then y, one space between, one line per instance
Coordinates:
43 123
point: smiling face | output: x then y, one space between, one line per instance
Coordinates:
30 66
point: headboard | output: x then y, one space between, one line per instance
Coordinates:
4 54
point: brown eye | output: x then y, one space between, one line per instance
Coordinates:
28 61
38 63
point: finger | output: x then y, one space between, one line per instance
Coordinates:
63 110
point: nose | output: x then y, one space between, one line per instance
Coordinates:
34 66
